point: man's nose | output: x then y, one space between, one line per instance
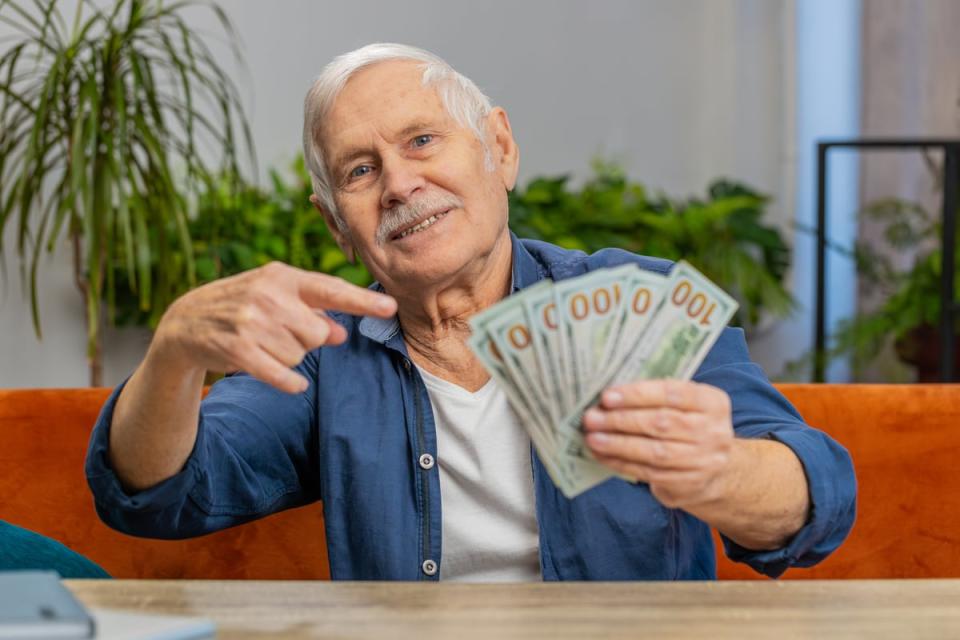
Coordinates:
401 180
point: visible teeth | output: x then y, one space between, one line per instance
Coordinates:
423 225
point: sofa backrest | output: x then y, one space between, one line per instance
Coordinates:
43 488
905 446
902 439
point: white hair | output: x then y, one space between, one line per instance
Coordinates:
465 103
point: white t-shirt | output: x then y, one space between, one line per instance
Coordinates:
486 486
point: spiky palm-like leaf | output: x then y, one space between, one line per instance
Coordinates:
108 128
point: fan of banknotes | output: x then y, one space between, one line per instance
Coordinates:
554 347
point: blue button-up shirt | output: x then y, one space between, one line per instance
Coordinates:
354 437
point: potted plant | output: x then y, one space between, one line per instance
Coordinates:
109 128
909 316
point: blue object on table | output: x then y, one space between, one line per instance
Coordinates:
33 604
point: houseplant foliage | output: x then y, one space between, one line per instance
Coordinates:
109 128
723 235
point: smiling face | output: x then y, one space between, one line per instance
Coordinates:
420 205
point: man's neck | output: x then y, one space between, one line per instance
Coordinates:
435 320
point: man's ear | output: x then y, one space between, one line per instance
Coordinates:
506 153
342 239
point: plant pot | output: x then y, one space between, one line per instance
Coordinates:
920 347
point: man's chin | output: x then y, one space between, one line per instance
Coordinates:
428 268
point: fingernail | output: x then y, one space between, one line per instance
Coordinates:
595 417
386 304
598 439
612 398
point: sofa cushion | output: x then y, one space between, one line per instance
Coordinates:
43 488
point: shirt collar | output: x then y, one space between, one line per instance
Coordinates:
526 271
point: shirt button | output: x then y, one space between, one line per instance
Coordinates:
429 567
426 461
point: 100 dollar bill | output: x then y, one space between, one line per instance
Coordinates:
691 315
588 308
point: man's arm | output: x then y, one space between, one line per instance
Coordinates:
766 500
262 321
155 420
679 438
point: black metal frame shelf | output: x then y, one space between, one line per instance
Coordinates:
948 304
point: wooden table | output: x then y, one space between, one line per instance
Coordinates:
754 609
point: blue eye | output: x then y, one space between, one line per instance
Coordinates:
419 141
360 171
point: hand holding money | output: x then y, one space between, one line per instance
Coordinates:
676 436
555 347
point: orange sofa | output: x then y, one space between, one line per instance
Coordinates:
903 439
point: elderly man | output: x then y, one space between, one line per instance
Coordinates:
370 400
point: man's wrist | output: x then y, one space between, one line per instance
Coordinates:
754 504
722 493
166 354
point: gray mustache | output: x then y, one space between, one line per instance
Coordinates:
404 215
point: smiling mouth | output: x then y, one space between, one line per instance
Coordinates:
420 226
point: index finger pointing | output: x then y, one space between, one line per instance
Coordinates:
322 291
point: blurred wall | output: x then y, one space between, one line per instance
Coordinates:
680 92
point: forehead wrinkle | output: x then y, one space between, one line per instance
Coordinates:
360 106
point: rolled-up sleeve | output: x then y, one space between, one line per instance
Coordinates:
760 411
255 454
